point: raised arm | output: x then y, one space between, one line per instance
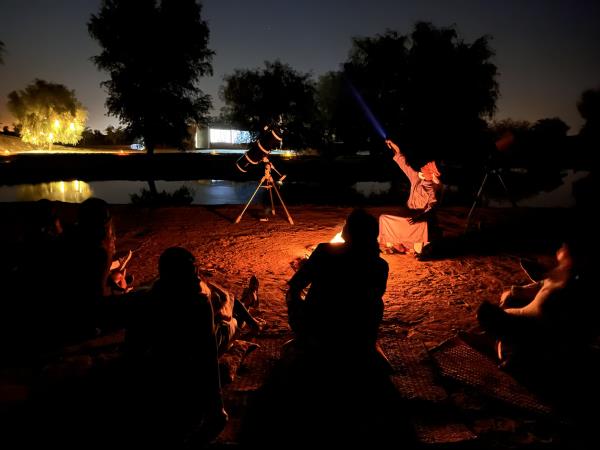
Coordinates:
400 159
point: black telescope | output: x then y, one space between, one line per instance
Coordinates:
268 139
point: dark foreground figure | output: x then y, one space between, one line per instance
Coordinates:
332 385
322 402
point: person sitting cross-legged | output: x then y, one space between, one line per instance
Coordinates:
332 384
344 302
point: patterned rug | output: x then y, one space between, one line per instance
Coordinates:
461 362
414 374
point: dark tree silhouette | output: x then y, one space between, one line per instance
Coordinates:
589 141
1 52
155 53
430 89
547 152
111 136
543 149
589 108
255 98
376 68
541 145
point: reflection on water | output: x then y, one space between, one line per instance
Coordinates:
223 192
74 191
204 192
372 188
560 196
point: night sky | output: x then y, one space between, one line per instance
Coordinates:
547 52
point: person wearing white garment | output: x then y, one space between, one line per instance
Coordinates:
409 231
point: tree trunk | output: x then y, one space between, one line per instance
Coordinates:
152 188
149 144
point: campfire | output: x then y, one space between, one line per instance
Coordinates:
337 239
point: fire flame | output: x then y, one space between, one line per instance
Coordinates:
337 239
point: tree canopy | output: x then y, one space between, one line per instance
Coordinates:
431 90
111 136
155 53
47 113
259 97
1 52
589 109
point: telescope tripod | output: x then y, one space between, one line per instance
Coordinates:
267 182
480 192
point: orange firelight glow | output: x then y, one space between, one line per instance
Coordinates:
337 239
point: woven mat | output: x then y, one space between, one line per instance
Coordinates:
414 375
256 366
442 433
250 377
415 378
462 363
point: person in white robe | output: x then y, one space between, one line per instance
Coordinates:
409 231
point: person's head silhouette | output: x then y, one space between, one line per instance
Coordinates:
361 229
95 224
177 267
93 213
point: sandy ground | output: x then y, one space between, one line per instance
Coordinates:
426 301
430 299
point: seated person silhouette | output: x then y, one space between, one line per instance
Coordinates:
229 314
535 322
410 231
89 250
81 268
332 385
32 276
344 301
171 341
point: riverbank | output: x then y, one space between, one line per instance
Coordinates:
32 168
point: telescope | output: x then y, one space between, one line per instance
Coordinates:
259 150
269 138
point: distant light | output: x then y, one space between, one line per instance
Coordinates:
56 124
72 126
229 136
287 153
51 136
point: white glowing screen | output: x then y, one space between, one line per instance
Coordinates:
229 136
